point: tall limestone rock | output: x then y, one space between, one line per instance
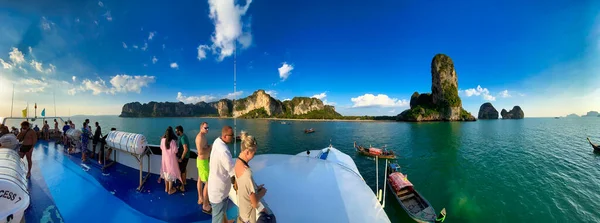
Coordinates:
443 104
487 111
515 113
259 99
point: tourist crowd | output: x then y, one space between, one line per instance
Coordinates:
218 172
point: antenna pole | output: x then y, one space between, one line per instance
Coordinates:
13 101
377 176
234 97
385 184
54 94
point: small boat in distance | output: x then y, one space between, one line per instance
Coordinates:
311 130
596 147
375 152
415 205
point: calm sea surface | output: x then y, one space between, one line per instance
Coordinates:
531 170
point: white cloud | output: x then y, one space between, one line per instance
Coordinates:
380 100
233 95
5 65
135 46
164 46
229 28
74 78
174 66
145 47
151 35
504 94
392 111
201 51
100 4
320 96
30 50
16 56
285 71
34 85
96 22
195 99
121 83
521 94
287 99
484 92
46 24
108 16
97 87
72 91
124 83
124 45
38 66
273 93
154 60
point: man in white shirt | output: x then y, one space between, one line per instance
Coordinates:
220 175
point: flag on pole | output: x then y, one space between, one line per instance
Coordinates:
24 113
44 112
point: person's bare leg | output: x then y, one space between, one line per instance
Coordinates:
206 204
183 180
171 189
29 164
166 185
199 187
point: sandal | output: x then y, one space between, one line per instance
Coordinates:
209 212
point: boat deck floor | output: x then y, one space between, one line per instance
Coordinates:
64 190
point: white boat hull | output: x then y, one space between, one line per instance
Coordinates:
14 196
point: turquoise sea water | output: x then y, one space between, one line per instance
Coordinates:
530 170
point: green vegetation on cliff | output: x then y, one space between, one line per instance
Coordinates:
451 96
256 113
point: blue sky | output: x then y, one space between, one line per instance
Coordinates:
366 58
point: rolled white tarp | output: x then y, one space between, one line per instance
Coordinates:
74 134
129 142
14 197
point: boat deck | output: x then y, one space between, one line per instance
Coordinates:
64 190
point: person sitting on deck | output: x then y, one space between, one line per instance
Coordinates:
28 139
248 193
15 131
169 167
183 155
3 130
203 167
220 175
7 140
71 124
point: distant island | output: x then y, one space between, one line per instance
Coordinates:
443 103
573 116
258 105
591 114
